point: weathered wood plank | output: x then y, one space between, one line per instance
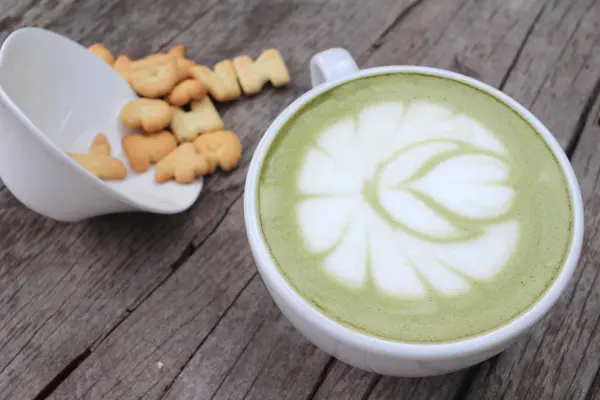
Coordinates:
486 40
422 389
250 329
392 388
560 357
68 302
250 118
63 287
30 13
569 79
143 354
346 382
561 95
554 76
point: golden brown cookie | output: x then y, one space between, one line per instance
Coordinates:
178 50
152 115
186 91
222 83
123 66
203 117
184 165
185 67
99 162
100 145
223 147
143 150
268 67
155 76
99 50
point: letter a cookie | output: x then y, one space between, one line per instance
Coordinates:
99 162
143 150
223 147
184 165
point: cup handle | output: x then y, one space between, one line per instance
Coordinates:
331 65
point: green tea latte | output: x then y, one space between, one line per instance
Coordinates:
414 208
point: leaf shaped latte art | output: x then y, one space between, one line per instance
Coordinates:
381 194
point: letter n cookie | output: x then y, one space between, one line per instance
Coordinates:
268 67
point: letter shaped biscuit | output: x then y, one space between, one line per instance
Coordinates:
184 165
203 117
222 83
186 91
183 63
99 162
155 76
150 114
269 66
178 51
223 147
100 145
123 66
143 150
100 51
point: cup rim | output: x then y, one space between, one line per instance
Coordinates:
275 281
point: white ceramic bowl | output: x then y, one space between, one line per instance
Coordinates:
55 96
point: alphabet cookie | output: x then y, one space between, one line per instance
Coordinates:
186 91
184 165
123 66
99 50
183 63
179 50
143 150
222 82
150 114
99 162
223 147
155 76
269 66
184 67
203 117
100 145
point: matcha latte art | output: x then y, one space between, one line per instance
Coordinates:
414 208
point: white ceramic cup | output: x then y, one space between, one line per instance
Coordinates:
332 68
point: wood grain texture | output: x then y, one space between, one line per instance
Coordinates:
559 359
64 287
137 282
142 306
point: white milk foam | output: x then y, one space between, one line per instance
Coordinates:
423 250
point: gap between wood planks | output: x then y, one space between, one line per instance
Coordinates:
63 374
583 118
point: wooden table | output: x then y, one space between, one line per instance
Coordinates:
171 307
